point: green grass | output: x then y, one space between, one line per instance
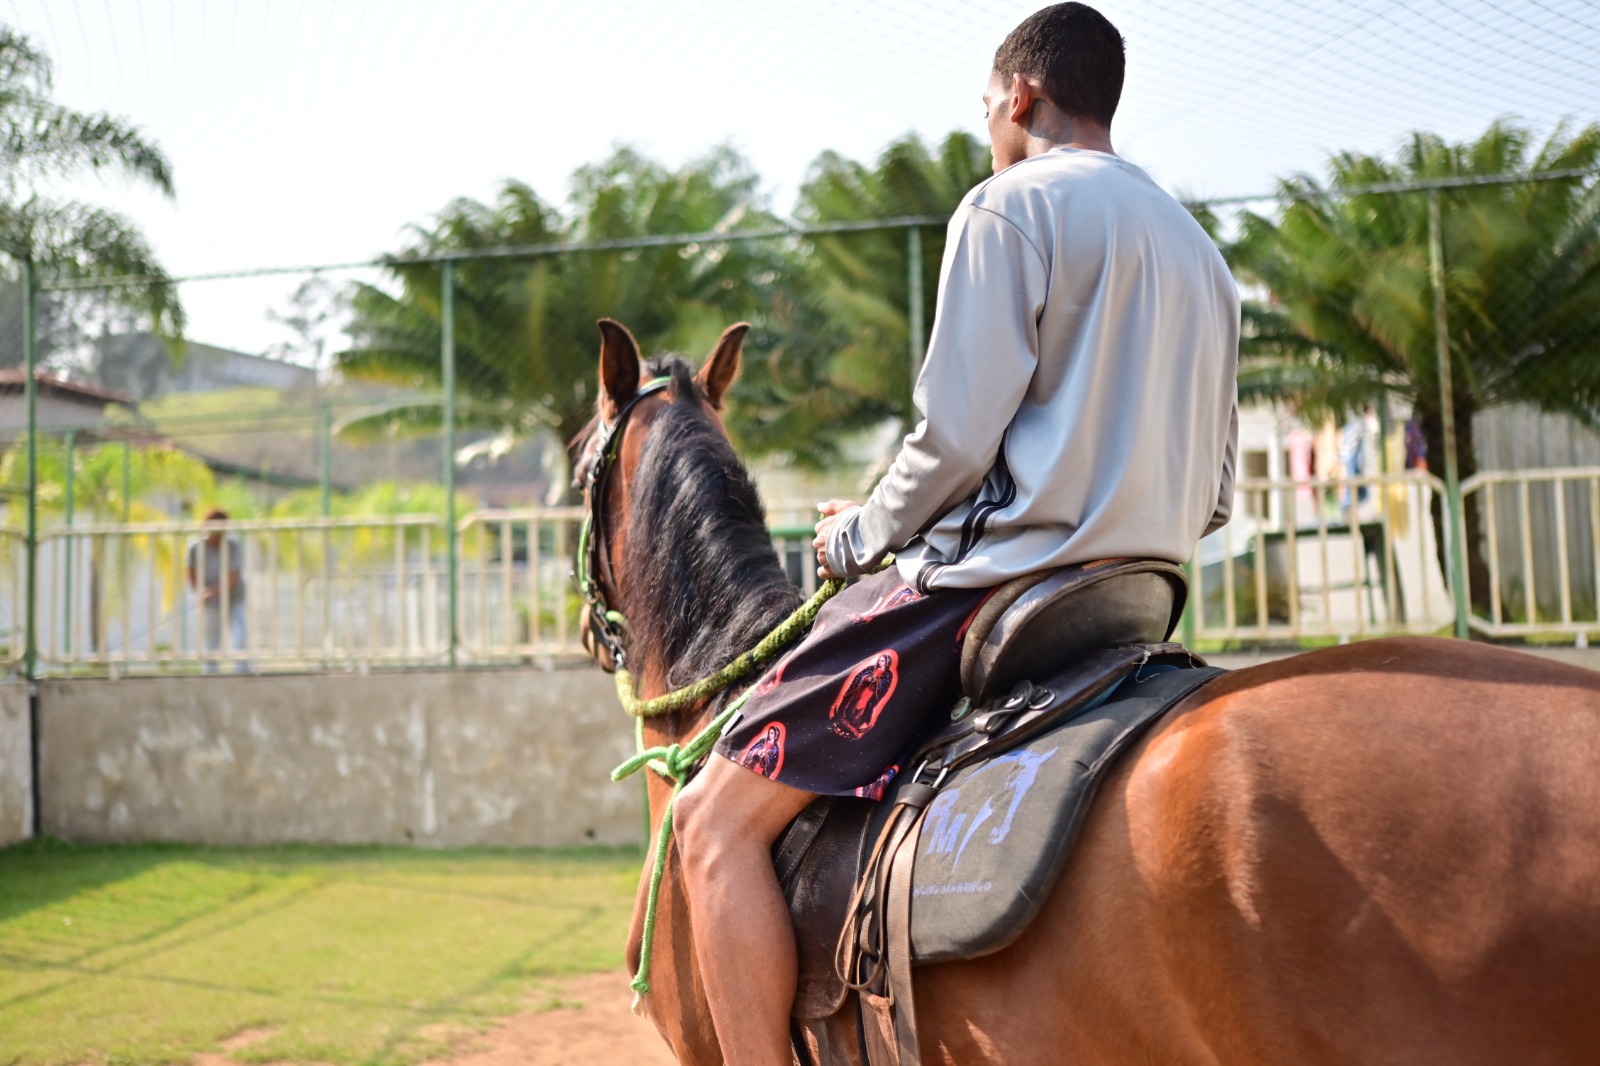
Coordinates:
155 953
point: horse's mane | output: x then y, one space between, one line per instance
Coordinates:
703 581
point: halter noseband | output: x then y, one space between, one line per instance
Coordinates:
607 625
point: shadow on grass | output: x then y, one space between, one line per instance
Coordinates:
130 930
43 872
39 873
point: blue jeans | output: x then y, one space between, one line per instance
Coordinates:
213 633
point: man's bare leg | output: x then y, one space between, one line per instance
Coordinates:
726 821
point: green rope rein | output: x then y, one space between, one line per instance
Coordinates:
674 761
774 642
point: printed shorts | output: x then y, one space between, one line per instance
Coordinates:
839 713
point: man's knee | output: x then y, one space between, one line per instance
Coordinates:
695 825
727 812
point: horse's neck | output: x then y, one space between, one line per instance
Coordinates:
677 1003
706 582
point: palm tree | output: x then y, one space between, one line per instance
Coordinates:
525 326
846 361
40 141
1349 321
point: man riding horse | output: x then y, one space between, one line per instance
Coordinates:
1078 403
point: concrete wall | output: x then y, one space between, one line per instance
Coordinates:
16 775
515 757
512 758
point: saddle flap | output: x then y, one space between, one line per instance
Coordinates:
1000 833
822 856
819 860
1031 625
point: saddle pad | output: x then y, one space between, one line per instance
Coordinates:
999 833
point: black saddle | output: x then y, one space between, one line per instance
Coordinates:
1037 625
1061 671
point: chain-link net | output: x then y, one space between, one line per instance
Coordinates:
1419 389
1434 313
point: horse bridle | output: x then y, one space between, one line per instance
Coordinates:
607 625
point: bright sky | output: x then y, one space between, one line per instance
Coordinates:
313 131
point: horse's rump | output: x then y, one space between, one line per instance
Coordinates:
1383 852
1378 853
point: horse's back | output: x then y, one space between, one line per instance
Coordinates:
1384 852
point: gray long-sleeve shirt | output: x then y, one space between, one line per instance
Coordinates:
1079 397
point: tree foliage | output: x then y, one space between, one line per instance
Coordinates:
42 141
525 326
829 353
1350 318
841 355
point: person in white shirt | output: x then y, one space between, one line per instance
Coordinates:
1078 402
206 560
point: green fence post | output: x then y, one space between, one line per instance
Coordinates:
326 479
127 482
327 459
1186 622
914 308
30 655
1452 472
71 546
30 386
447 356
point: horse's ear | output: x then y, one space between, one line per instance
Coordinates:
722 366
619 367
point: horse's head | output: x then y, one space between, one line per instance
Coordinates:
606 458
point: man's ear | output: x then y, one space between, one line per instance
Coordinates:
619 368
1023 95
722 365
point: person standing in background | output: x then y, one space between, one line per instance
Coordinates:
207 560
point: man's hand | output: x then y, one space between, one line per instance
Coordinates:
830 510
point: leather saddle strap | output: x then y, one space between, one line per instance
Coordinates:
899 936
877 1029
791 849
889 1014
847 953
862 935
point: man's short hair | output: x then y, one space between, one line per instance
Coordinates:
216 514
1075 55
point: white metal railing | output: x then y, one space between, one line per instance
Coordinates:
517 599
1340 558
1541 543
793 545
313 593
13 596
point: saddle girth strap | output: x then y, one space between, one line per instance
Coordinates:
874 952
899 935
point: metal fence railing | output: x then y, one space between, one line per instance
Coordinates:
1342 558
793 545
517 599
1541 543
13 597
314 593
1301 561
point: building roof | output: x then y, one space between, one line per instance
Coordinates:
15 378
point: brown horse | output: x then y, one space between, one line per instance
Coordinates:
1382 853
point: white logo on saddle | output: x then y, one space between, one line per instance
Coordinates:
944 824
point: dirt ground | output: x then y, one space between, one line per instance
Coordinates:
583 1020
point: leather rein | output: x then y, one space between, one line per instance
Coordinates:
607 625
